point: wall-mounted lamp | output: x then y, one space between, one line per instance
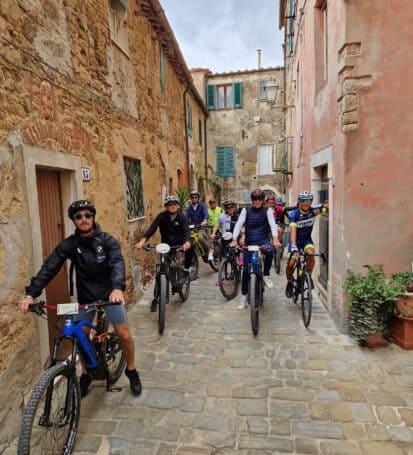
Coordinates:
271 89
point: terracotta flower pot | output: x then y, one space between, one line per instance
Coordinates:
402 331
404 306
376 340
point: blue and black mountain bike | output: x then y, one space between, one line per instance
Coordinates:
51 417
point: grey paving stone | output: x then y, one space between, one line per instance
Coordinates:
252 407
317 430
288 410
193 404
339 448
163 399
307 446
265 443
257 425
87 443
209 422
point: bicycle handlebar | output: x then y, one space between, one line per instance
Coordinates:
38 307
172 248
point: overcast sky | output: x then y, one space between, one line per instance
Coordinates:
224 35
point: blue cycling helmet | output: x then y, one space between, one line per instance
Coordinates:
279 200
305 196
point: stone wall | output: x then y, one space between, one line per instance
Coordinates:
67 87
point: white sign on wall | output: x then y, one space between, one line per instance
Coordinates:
85 174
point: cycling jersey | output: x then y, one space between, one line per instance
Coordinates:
198 214
304 221
227 222
173 231
213 216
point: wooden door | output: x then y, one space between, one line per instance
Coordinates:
49 193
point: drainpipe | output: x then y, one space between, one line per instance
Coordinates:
187 138
285 177
206 152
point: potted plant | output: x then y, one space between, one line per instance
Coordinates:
371 297
402 323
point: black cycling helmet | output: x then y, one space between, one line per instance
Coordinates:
77 206
195 193
229 202
258 194
169 199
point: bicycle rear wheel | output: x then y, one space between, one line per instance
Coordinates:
228 278
306 298
194 267
253 300
216 251
162 296
112 352
51 417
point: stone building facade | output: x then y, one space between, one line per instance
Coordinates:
93 104
351 132
244 133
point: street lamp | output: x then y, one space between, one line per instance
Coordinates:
271 89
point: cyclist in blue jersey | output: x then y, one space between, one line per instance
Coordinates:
196 213
301 227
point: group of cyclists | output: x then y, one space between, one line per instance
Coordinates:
100 267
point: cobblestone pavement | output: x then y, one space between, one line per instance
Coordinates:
210 387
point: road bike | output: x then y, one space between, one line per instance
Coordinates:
303 284
255 282
230 270
51 418
201 249
169 271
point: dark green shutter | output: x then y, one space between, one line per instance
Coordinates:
230 161
124 3
225 161
237 87
211 97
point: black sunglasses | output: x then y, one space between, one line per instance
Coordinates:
257 198
79 216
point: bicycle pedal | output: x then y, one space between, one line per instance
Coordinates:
115 389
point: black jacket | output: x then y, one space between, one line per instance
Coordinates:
173 232
98 262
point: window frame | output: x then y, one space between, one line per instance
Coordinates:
225 86
133 216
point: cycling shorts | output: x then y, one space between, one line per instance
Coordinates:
116 315
302 246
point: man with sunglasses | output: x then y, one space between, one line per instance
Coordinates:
100 275
301 226
197 213
174 230
259 222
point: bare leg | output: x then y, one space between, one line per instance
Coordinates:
126 340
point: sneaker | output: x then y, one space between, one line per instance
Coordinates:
268 282
211 256
153 306
84 383
243 303
135 382
289 289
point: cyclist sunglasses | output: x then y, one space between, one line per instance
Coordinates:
79 216
230 206
257 198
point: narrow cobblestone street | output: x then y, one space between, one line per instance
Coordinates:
210 387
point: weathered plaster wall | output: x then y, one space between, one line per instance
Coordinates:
361 112
246 128
65 87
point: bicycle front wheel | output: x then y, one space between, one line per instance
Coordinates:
184 285
228 279
216 252
112 351
306 298
253 300
163 295
51 417
194 267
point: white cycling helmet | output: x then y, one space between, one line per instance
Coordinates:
305 196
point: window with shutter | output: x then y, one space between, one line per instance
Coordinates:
237 88
261 92
225 161
211 97
266 159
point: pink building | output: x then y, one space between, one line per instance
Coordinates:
348 68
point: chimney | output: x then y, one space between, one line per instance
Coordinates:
259 58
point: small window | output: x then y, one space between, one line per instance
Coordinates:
134 188
199 132
225 161
118 13
225 96
266 159
162 69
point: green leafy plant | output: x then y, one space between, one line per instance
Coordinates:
371 296
403 278
182 194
